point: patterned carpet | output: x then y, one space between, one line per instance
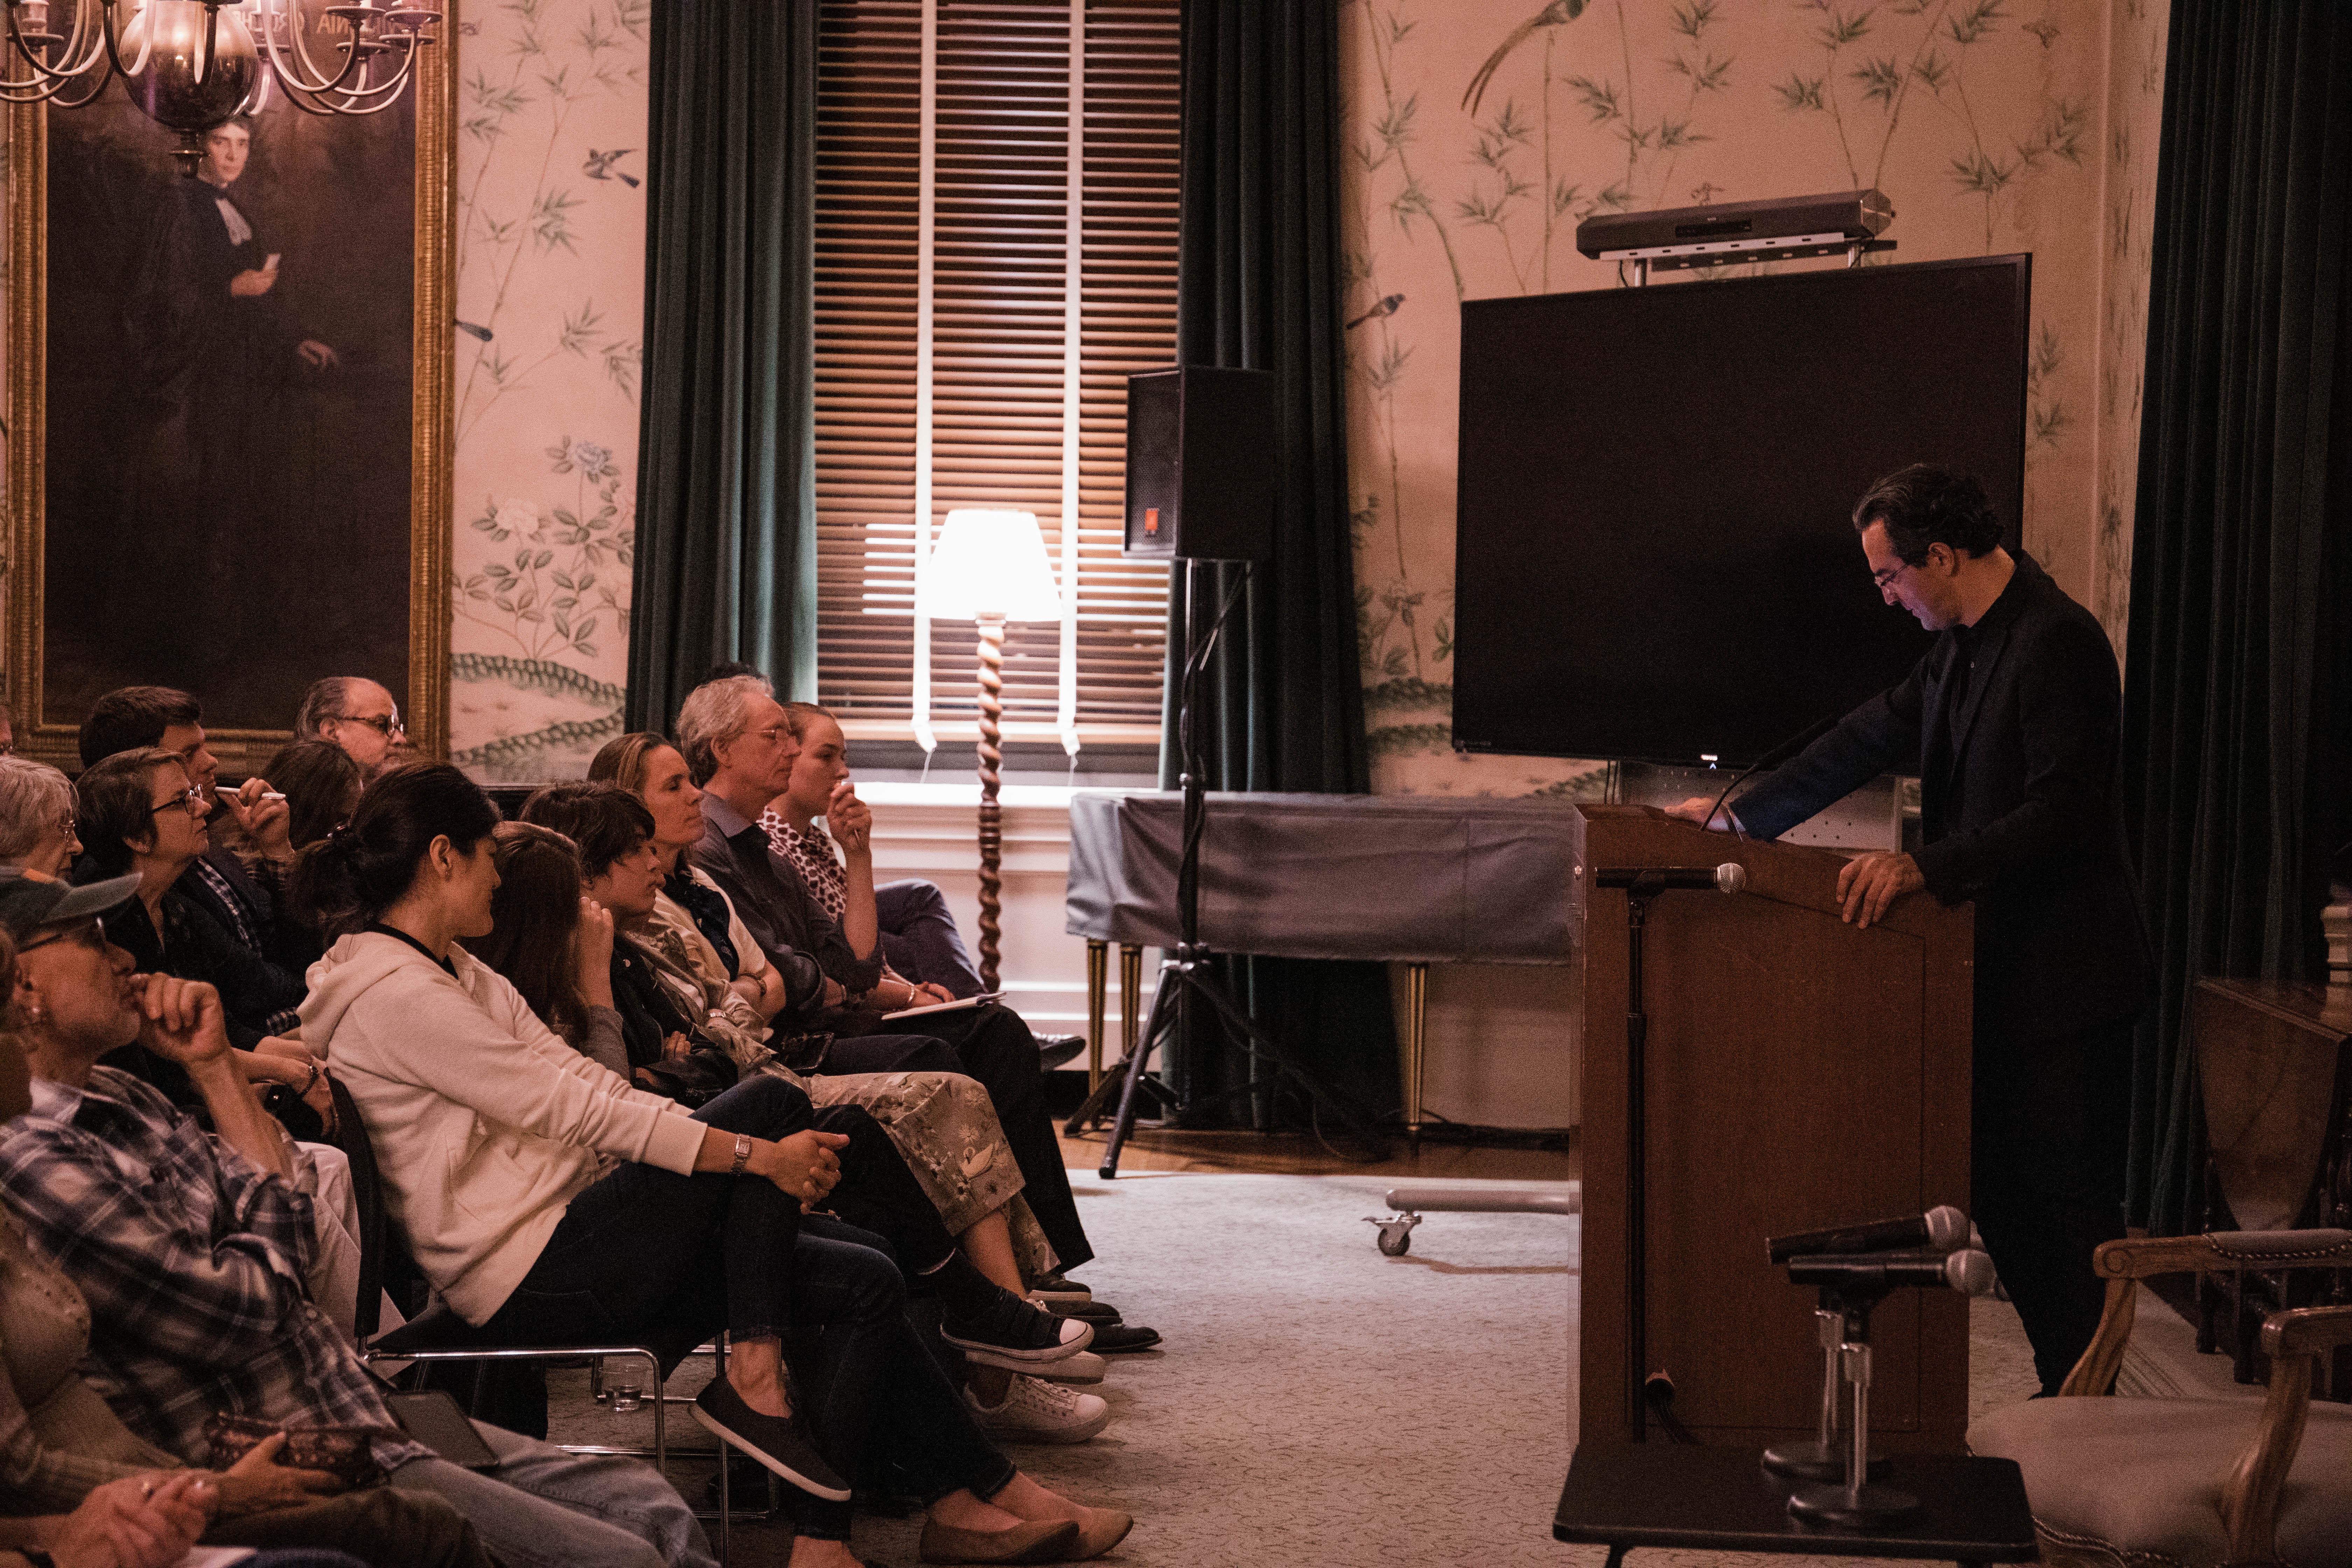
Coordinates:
1317 1403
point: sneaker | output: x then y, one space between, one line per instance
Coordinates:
1019 1337
1052 1050
781 1443
1035 1412
1084 1367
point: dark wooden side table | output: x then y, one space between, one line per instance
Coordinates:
1723 1500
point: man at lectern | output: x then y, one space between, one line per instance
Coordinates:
2012 722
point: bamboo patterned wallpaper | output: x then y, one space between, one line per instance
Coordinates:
1478 133
551 101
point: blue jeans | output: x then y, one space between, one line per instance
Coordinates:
872 1393
543 1507
919 937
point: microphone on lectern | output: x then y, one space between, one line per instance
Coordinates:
1732 877
1969 1271
1944 1228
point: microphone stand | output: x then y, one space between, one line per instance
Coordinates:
1187 979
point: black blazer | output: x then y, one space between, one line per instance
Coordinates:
2016 807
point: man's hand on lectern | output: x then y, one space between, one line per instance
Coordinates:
1868 884
1696 808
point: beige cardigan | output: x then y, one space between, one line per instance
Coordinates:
484 1124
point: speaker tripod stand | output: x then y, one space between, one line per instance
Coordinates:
1189 989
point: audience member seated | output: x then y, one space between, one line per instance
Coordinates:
121 1194
62 1450
355 714
944 1135
920 940
241 892
740 750
37 818
494 1138
140 813
322 785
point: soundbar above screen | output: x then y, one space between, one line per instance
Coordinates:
1655 556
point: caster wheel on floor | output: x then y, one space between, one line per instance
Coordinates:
1396 1233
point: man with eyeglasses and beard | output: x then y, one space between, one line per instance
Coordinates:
2013 722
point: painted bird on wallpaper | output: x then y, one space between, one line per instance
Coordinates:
1387 307
1558 14
599 166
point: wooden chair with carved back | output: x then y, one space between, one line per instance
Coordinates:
2191 1483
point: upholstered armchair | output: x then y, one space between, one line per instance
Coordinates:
2192 1483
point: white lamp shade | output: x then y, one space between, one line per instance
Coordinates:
990 562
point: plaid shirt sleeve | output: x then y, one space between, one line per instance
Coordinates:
114 1213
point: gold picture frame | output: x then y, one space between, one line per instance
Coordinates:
426 704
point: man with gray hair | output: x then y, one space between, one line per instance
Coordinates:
355 713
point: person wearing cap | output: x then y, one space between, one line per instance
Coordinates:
191 1250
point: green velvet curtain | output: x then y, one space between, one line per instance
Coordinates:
2238 714
1258 288
726 545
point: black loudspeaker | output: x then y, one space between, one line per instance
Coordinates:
1203 456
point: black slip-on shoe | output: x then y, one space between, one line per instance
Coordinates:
1052 1050
1095 1312
781 1443
1115 1339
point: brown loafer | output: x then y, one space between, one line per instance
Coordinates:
1044 1541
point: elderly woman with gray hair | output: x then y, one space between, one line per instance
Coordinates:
37 818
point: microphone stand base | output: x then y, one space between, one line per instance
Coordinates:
1813 1461
1854 1510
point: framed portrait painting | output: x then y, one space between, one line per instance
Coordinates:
229 399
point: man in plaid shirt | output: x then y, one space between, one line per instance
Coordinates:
192 1252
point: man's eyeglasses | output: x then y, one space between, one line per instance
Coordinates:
193 803
384 724
1884 580
89 933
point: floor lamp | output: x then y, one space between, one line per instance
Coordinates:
989 567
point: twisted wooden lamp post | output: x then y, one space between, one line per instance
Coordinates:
991 814
990 567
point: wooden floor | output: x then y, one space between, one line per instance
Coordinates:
1298 1155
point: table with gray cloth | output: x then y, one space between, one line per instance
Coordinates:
1417 880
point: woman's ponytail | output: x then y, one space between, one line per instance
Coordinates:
347 879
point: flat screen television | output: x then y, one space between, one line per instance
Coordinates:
1655 556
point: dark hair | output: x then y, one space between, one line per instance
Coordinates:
533 916
112 813
623 760
322 785
798 714
605 821
1923 505
730 669
357 872
131 716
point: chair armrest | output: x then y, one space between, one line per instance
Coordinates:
2138 1258
2120 1263
2306 1330
2250 1496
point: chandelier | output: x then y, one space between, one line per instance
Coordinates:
191 65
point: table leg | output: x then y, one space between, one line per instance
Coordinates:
1130 991
1617 1555
1098 969
1416 1040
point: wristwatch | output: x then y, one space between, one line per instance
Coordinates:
742 1153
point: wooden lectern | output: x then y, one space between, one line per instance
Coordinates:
1798 1073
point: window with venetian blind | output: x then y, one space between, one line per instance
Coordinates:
984 364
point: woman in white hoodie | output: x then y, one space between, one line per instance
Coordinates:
549 1202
